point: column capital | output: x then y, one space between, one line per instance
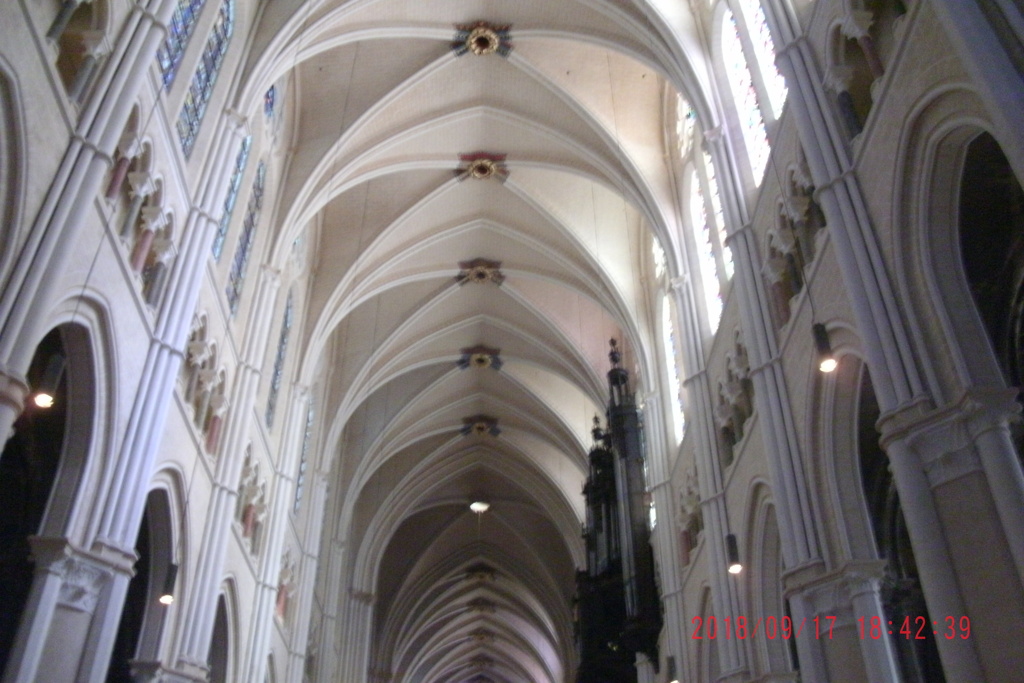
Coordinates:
130 145
141 183
838 77
857 23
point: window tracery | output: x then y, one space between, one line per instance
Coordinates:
745 97
183 24
198 96
232 196
282 352
236 278
671 345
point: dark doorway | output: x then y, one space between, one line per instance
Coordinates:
29 466
902 597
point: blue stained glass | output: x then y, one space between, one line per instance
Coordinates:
282 352
183 23
198 96
269 102
236 278
300 477
229 201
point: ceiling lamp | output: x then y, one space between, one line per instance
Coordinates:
51 379
826 359
733 552
167 594
479 506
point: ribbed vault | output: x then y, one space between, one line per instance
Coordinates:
575 118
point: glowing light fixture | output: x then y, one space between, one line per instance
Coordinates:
826 360
479 506
733 552
167 594
51 379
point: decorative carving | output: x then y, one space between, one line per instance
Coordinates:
252 503
735 399
285 585
481 39
480 271
479 356
480 425
481 166
81 583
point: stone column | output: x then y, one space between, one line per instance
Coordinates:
307 578
837 600
70 590
96 47
895 375
141 183
200 607
281 504
661 456
128 148
153 220
60 22
857 25
724 595
837 79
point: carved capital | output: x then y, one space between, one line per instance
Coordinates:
142 183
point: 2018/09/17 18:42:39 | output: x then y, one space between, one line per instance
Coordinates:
915 628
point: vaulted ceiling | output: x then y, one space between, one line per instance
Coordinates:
387 122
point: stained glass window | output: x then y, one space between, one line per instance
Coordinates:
671 343
737 72
269 102
183 23
229 201
686 119
198 96
282 351
300 477
658 255
705 253
236 278
764 54
727 266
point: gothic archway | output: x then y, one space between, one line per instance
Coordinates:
902 596
142 617
41 464
220 644
991 231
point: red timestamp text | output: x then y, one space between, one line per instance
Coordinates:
914 628
771 628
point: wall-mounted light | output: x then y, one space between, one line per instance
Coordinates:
826 359
732 550
51 379
167 594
